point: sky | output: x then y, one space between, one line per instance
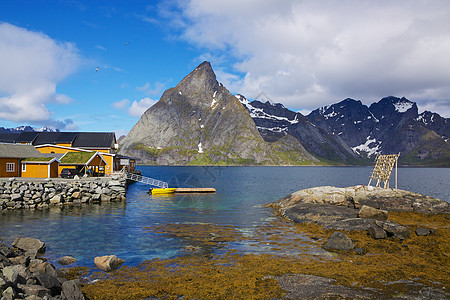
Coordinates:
98 65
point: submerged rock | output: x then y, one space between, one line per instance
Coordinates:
66 260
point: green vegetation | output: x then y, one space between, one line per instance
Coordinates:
76 157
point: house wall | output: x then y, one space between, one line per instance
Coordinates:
109 168
4 161
101 150
36 170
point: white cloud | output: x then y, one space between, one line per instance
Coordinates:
121 104
31 65
311 53
139 107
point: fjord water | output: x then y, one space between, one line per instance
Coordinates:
120 228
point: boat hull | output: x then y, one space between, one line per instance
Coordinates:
162 191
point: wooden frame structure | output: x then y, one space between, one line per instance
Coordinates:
383 169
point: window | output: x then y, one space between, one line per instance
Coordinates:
24 167
10 167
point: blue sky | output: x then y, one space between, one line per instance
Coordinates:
304 54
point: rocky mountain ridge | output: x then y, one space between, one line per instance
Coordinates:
392 125
27 129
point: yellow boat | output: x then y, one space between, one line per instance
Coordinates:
162 191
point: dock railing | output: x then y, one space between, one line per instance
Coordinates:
147 180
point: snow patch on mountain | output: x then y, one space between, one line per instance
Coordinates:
402 106
371 147
260 113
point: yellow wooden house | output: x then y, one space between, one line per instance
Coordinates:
13 159
61 142
40 167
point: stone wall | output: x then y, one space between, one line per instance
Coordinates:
18 193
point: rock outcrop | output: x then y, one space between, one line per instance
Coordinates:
200 122
339 208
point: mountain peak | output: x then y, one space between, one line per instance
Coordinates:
201 78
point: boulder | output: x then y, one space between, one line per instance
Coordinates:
71 291
108 263
338 241
76 195
422 231
34 290
105 198
16 274
55 199
43 267
27 244
376 232
49 282
368 212
66 260
394 229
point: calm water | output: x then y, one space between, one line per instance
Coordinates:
119 228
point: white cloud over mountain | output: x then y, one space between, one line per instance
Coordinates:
31 65
137 108
311 53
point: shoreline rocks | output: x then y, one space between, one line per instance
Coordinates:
16 193
357 208
23 276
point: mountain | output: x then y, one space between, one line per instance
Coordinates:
351 132
274 121
27 129
200 122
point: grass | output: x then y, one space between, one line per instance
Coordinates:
202 273
76 157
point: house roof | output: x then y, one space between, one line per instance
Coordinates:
27 137
35 160
94 140
79 158
55 138
18 151
8 137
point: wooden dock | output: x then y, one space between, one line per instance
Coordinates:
195 190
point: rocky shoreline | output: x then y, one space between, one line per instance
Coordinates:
23 275
40 194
